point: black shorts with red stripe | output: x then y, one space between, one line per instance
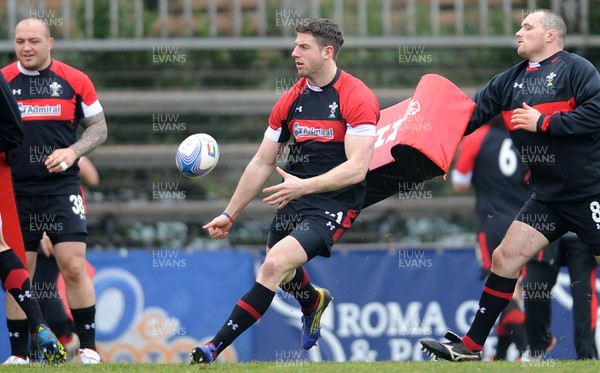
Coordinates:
554 219
317 229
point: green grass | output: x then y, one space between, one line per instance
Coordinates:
326 367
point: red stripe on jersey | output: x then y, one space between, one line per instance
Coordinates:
248 308
548 108
8 210
49 109
470 149
545 123
499 294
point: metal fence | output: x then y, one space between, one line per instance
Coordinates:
114 25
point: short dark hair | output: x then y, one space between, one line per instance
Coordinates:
325 31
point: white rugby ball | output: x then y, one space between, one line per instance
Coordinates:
197 155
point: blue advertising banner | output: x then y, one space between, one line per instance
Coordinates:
385 301
156 305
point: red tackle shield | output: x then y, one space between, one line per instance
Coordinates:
418 137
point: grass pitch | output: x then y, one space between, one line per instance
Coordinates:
324 367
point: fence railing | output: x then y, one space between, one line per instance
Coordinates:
113 25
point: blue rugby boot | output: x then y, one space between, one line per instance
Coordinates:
311 325
48 344
204 354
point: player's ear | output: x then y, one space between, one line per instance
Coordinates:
328 52
551 35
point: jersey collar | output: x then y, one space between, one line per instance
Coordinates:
546 61
24 71
320 89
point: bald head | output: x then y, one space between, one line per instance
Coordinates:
33 44
35 23
551 20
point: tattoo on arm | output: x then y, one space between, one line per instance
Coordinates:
94 134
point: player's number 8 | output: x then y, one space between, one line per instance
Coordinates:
595 207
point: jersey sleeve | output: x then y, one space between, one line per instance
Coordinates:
277 130
488 102
84 88
584 118
465 162
359 108
11 126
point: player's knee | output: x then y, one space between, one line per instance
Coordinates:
74 270
273 268
501 260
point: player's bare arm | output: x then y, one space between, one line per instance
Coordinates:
94 134
256 174
359 150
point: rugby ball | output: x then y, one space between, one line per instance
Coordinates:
197 155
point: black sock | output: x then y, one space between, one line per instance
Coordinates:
246 312
50 299
18 332
497 293
15 279
303 291
85 326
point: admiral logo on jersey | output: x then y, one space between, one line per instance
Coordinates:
37 110
305 131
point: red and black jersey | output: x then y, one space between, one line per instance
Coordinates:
564 154
489 161
318 118
52 102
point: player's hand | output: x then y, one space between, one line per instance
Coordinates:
46 245
219 227
291 188
60 160
525 118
